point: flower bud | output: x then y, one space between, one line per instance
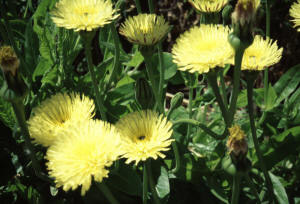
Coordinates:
144 94
176 101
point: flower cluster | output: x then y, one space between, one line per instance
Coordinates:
80 148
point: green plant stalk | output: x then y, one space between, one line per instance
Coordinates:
212 81
200 125
190 107
145 184
151 6
107 193
266 71
161 75
151 182
236 84
252 187
250 83
236 188
223 89
150 73
138 6
117 54
99 101
18 108
177 158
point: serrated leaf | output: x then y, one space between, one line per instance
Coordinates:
43 66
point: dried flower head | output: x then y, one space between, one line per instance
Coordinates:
145 29
55 114
144 135
245 11
83 14
295 13
9 61
82 151
202 48
237 143
208 6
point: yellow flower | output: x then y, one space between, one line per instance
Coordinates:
208 6
237 142
145 29
261 54
83 14
144 134
295 13
56 113
202 48
82 151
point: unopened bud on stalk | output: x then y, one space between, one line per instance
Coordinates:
176 101
144 94
237 143
9 61
243 19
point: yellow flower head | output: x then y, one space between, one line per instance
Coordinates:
9 61
56 113
81 152
237 142
261 54
83 14
202 48
145 29
208 6
295 13
144 134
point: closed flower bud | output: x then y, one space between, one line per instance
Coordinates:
176 101
144 94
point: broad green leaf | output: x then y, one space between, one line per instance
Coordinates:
136 60
272 96
242 100
287 83
169 66
125 80
43 66
50 77
279 190
163 185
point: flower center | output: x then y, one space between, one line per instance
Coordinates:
142 137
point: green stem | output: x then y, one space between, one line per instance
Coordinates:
250 83
151 6
253 188
117 54
149 69
236 188
107 193
145 184
266 71
151 182
161 75
177 158
236 84
138 6
200 125
18 107
190 107
223 89
212 80
88 54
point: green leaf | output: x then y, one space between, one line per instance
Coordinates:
50 77
43 66
242 100
163 185
287 83
136 60
272 96
168 65
7 114
279 190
